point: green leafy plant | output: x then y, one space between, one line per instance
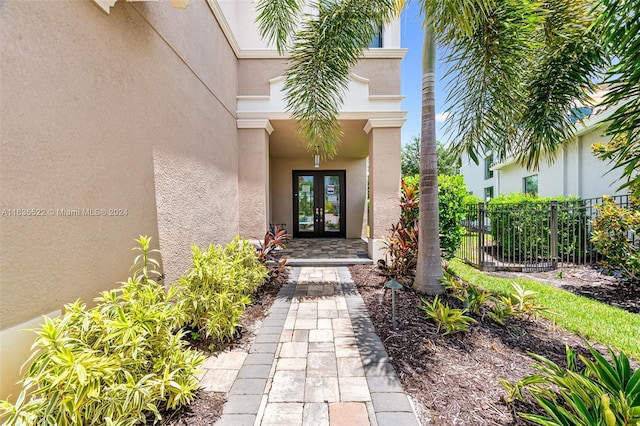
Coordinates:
614 230
116 363
450 320
452 205
219 286
473 297
402 242
520 226
521 302
602 393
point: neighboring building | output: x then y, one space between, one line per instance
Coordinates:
576 171
170 123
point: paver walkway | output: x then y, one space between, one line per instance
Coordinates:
315 361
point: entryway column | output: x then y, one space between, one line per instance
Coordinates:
253 177
384 180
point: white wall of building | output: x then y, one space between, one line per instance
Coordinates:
575 171
241 16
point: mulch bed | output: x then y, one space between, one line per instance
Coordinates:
454 379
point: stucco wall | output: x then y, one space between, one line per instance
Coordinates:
576 171
132 110
474 177
254 75
282 187
253 183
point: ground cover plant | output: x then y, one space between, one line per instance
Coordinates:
601 392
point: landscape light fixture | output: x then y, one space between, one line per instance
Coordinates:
393 285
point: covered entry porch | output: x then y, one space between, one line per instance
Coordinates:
351 196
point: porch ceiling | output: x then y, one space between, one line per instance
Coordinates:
285 142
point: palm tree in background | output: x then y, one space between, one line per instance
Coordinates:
520 67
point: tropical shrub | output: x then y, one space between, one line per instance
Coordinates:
452 193
520 226
473 297
114 364
402 242
614 230
219 286
601 393
273 240
451 320
521 302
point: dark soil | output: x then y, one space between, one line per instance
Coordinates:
206 408
455 378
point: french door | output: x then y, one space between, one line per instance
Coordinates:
319 204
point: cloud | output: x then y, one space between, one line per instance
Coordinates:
441 116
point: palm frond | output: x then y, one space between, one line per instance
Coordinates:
621 20
570 60
278 20
489 66
323 52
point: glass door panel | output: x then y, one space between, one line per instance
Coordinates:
319 204
306 204
332 203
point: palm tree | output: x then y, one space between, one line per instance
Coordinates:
520 65
429 267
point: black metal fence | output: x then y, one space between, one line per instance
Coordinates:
532 236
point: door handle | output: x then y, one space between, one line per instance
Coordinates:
317 214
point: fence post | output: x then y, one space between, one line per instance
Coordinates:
480 246
554 234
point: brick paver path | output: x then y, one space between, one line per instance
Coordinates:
315 361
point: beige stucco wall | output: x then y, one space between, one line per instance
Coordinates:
384 181
253 182
132 110
254 75
282 189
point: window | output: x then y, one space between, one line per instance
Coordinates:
377 39
488 193
530 185
488 173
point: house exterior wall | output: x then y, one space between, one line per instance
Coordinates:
254 75
131 111
282 189
576 171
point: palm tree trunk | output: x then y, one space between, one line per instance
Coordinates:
429 268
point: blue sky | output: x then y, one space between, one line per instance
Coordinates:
412 77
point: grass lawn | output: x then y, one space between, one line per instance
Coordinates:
594 320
